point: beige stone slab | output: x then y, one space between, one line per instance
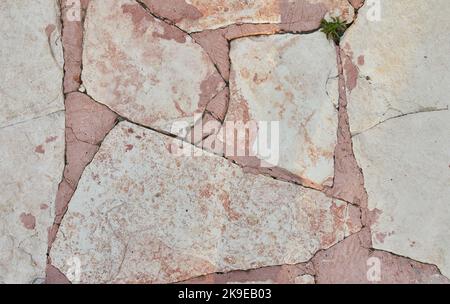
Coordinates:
291 80
144 69
142 213
405 162
397 72
32 162
30 60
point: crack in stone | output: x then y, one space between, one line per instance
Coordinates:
401 116
341 104
32 119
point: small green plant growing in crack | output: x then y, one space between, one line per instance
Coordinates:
333 29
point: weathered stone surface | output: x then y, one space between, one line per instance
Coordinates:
305 279
395 66
143 214
353 262
406 168
289 79
32 155
54 276
30 60
348 183
198 15
144 69
356 3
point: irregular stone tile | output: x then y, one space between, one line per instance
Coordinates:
32 155
144 69
218 107
284 78
29 85
352 262
405 162
199 15
143 213
395 66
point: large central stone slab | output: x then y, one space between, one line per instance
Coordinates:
400 64
30 60
142 68
144 214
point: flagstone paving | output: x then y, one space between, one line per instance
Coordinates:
117 156
31 135
142 68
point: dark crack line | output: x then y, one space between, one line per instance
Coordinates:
401 116
31 119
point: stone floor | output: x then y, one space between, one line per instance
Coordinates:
119 164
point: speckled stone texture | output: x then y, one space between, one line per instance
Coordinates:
31 76
399 115
142 68
119 122
290 79
215 217
31 135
